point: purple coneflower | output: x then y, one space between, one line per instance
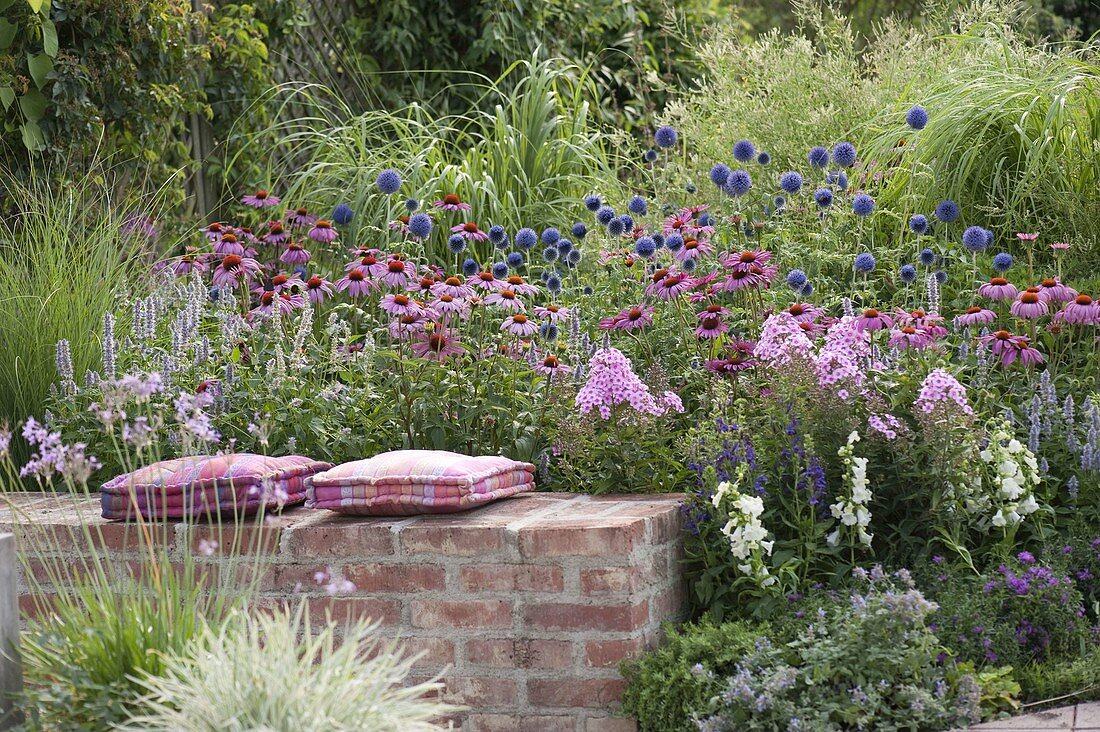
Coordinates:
505 299
733 363
553 313
519 324
438 345
551 366
633 318
693 249
1022 352
1060 246
356 283
275 234
300 217
323 232
998 288
189 262
873 320
319 289
975 315
746 260
470 231
213 232
804 313
1029 305
1051 290
396 274
930 322
449 305
1027 237
714 310
370 263
669 284
909 336
260 199
233 269
453 287
741 278
710 327
405 325
1081 311
228 244
520 286
998 341
294 254
401 223
400 304
485 281
451 202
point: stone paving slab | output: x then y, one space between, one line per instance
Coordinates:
1079 718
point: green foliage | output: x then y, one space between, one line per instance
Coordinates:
1062 681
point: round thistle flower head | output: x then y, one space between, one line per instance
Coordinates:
550 235
456 243
719 173
515 260
842 181
628 222
526 238
388 181
796 278
975 239
863 205
743 151
615 227
592 202
807 289
689 265
779 202
411 204
763 158
550 254
674 242
947 211
638 206
908 274
864 262
1002 262
497 234
690 188
818 157
342 214
989 237
705 219
844 154
791 182
738 184
548 331
579 230
499 270
470 267
553 284
645 246
666 136
564 246
420 226
573 258
823 197
916 117
604 215
659 240
588 290
927 257
650 156
918 223
941 276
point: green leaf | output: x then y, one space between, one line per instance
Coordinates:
39 64
49 38
33 137
36 5
7 33
7 96
33 105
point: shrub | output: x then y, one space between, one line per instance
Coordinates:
1061 680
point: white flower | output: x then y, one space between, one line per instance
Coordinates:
999 519
833 539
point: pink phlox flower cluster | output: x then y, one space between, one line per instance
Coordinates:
842 356
782 339
886 425
612 381
940 388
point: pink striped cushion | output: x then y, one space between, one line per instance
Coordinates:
209 485
408 482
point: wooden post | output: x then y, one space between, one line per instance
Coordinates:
11 670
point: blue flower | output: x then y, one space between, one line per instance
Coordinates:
807 289
738 184
604 214
927 257
818 157
420 226
342 214
650 156
674 242
587 290
637 205
947 211
975 239
579 230
526 238
388 181
844 154
863 205
515 260
456 243
666 136
823 197
470 267
908 274
573 258
796 278
500 270
705 219
842 181
553 284
989 237
690 188
615 227
411 204
1002 262
645 246
941 276
763 158
592 202
689 265
744 151
916 117
659 240
865 262
628 222
791 182
497 234
548 331
779 202
564 246
719 173
550 235
918 223
550 254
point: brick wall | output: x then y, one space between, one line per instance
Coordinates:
532 602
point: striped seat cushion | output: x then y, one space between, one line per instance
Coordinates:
408 482
209 485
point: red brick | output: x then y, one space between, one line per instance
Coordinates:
570 616
464 540
511 577
670 603
479 691
350 609
612 581
461 614
587 693
525 723
438 652
597 537
396 577
605 653
610 724
520 653
341 537
252 537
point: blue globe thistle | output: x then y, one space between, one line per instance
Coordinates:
823 197
719 173
743 151
573 258
497 234
515 260
645 246
666 136
941 276
864 262
564 246
830 177
705 219
604 215
579 230
779 202
587 290
690 188
796 278
674 242
807 289
420 225
659 240
738 184
411 204
791 182
214 294
844 154
975 239
916 117
1002 262
500 270
863 205
526 238
548 331
763 158
545 274
638 206
550 254
553 284
689 265
470 267
818 157
927 257
947 211
908 274
456 243
842 181
342 214
650 156
615 227
918 223
592 203
388 181
628 222
550 235
989 237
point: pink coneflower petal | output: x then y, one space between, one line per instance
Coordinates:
873 320
551 366
998 288
745 260
669 284
1027 237
319 289
323 232
633 318
693 249
454 287
355 283
437 345
505 299
735 362
396 275
519 324
400 304
520 286
1082 311
1060 246
275 234
1029 305
228 244
470 231
975 316
909 336
804 313
234 269
714 310
295 254
260 199
998 342
485 281
710 327
451 202
1051 290
553 313
300 217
